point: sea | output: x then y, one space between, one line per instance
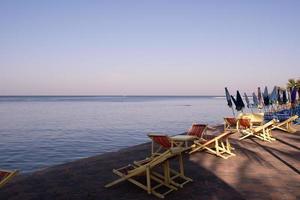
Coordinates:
40 131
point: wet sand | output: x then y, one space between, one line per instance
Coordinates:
260 170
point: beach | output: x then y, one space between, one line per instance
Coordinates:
260 170
88 88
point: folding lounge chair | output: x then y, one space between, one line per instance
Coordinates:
146 167
163 142
6 175
218 145
262 132
197 130
286 125
131 173
230 124
257 119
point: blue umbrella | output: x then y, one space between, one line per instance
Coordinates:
247 100
279 97
259 96
293 95
266 97
239 104
273 96
289 94
255 100
284 98
229 102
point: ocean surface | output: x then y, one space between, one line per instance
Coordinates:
37 132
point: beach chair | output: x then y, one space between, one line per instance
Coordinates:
159 142
230 124
218 145
132 174
6 175
257 119
162 142
262 132
286 125
156 183
197 130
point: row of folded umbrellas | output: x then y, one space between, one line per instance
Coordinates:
265 99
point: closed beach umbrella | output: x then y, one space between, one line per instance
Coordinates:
284 98
273 97
228 98
266 97
255 100
247 100
279 97
239 99
229 102
289 92
259 96
239 104
293 95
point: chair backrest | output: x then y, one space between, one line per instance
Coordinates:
197 130
3 175
230 120
245 123
162 140
255 117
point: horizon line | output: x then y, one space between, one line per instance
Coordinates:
118 95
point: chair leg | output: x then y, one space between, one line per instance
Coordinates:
148 181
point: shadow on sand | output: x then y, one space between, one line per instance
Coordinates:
259 171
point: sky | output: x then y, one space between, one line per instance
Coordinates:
153 47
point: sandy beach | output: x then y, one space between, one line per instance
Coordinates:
260 170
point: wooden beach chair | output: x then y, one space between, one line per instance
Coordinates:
218 145
230 124
257 119
155 181
197 130
6 175
164 142
160 142
157 185
286 125
262 132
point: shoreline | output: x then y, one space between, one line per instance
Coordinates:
253 169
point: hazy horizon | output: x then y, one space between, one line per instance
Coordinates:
181 48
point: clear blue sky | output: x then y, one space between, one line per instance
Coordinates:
147 47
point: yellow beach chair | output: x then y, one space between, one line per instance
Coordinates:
257 119
164 142
218 145
154 180
6 175
131 173
286 125
262 132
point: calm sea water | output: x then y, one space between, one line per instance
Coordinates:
37 132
